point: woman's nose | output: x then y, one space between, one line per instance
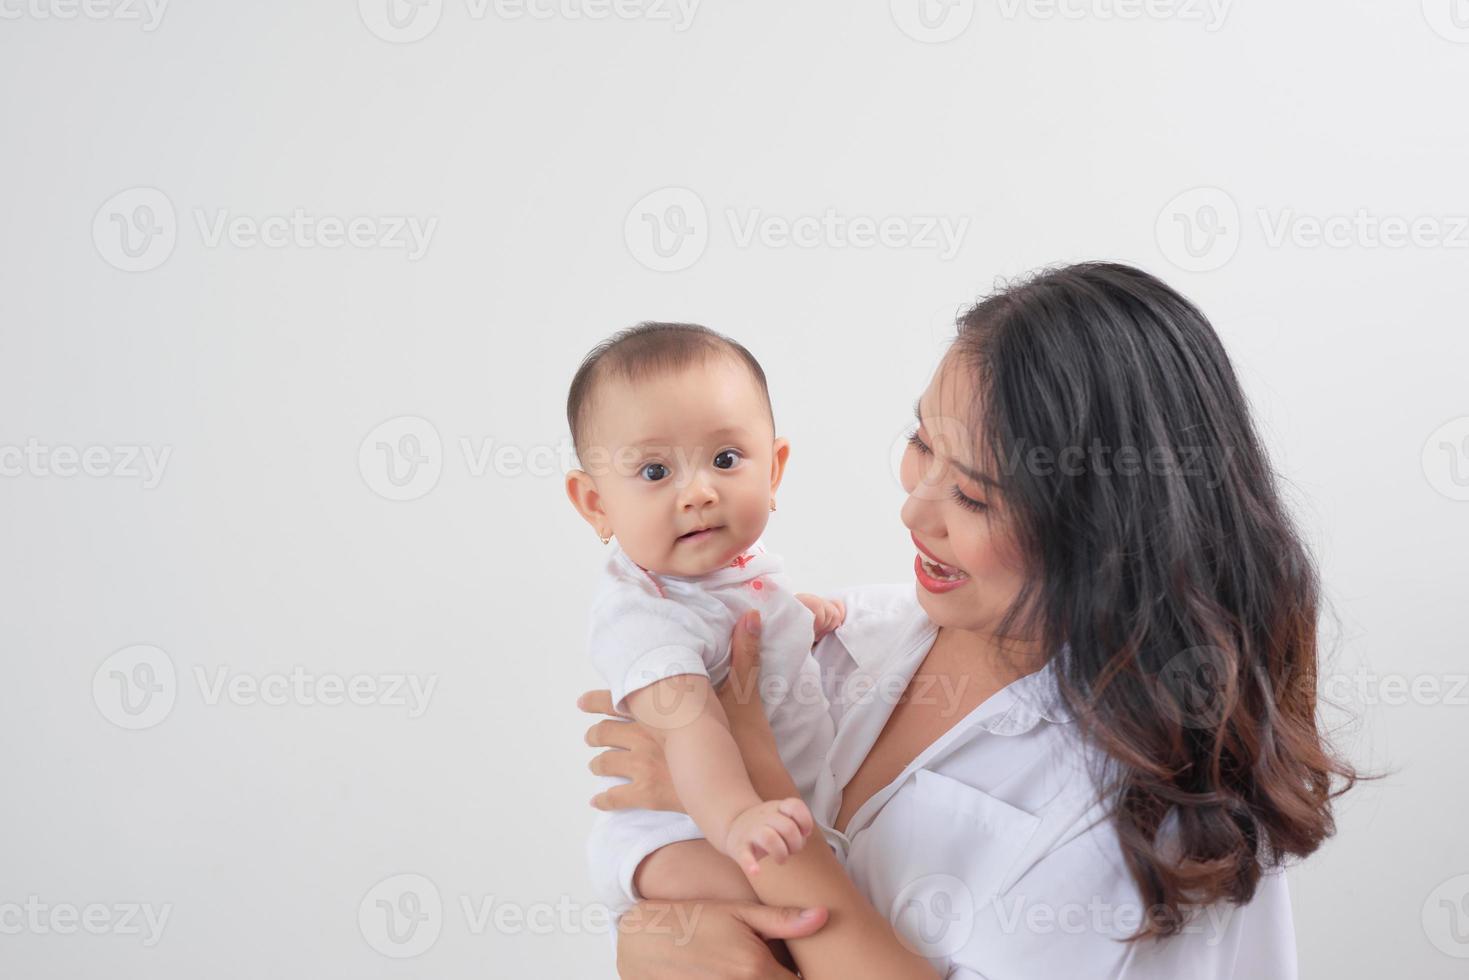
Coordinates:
920 514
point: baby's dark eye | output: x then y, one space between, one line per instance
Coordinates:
654 472
727 459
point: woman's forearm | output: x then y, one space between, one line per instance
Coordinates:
857 942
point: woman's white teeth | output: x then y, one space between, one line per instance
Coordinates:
941 571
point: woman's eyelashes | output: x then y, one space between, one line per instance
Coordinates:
966 501
959 496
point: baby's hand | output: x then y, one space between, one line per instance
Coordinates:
829 613
775 827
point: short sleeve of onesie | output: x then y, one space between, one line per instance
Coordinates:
638 637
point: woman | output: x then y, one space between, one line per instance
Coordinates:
1086 744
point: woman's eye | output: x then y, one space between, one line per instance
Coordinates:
918 444
654 472
727 459
966 501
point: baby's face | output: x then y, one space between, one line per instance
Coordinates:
685 466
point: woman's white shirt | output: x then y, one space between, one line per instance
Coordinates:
990 853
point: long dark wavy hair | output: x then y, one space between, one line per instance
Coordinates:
1162 559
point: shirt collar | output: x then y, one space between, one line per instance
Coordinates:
893 634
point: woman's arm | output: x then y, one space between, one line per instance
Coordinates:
865 945
858 942
715 940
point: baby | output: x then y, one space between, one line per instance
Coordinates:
673 426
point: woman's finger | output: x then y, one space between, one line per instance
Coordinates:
744 659
774 922
613 762
614 734
624 797
599 703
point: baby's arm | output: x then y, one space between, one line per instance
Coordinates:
685 716
691 871
829 613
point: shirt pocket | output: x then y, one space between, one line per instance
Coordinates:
962 846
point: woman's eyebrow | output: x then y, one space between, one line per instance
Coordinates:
973 474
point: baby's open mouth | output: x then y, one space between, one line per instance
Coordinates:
700 535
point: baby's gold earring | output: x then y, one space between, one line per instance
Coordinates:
772 505
605 538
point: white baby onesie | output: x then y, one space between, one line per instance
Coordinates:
646 627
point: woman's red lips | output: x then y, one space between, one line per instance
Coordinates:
931 582
919 545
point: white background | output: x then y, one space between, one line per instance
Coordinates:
266 546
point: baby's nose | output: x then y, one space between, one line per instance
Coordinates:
699 492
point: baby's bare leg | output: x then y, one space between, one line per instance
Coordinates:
690 870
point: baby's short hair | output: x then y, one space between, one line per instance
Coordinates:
648 350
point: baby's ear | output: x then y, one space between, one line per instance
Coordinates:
780 452
582 493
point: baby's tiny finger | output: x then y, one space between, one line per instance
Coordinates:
799 812
789 833
774 844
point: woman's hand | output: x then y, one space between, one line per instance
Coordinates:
634 754
668 940
739 695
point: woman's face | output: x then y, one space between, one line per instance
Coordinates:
968 568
